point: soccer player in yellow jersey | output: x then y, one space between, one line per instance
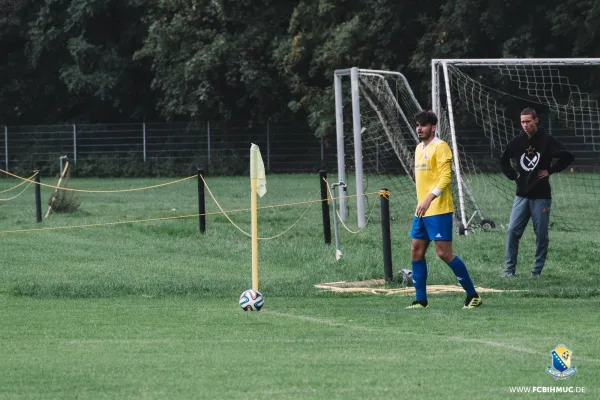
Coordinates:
433 216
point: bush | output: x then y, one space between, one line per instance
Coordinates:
64 201
222 162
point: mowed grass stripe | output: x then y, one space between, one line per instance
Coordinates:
321 348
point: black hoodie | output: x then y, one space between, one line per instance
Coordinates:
532 154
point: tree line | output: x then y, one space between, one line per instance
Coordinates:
247 61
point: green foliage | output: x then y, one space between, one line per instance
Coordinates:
222 162
509 29
247 61
329 35
214 59
20 97
73 61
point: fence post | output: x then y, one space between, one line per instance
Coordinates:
144 138
208 142
384 197
74 143
6 147
201 201
325 207
38 198
322 153
60 163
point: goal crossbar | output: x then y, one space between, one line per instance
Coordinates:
516 61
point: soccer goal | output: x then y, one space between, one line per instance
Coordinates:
480 101
380 151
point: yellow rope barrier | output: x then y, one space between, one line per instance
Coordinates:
311 202
17 195
98 191
330 195
21 192
149 220
294 224
20 184
222 211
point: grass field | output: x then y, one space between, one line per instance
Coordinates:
149 309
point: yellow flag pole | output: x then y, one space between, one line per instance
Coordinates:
254 223
258 186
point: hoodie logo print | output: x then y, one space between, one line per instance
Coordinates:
530 159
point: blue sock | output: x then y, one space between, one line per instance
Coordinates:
460 270
419 277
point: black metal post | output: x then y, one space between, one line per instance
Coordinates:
384 197
38 198
201 201
325 207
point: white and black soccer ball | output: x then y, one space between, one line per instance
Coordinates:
251 300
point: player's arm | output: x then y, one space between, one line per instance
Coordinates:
444 168
505 165
564 156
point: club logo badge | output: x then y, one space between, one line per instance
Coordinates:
561 363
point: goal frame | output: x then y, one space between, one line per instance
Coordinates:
356 131
439 71
354 74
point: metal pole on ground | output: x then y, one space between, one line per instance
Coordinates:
325 207
38 198
342 187
384 199
201 201
144 139
6 147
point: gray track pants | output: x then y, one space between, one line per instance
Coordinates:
539 212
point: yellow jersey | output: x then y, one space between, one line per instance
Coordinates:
433 173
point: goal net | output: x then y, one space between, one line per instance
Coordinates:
376 150
480 102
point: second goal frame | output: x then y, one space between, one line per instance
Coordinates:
481 98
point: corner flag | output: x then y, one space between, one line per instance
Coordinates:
257 170
258 185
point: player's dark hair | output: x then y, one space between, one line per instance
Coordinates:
529 111
426 117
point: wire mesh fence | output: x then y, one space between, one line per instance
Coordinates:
286 147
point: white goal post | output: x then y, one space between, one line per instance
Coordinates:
480 101
381 148
359 130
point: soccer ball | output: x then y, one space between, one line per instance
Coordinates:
251 300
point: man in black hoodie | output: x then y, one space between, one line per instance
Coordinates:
532 152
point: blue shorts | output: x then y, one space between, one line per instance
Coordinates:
435 227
